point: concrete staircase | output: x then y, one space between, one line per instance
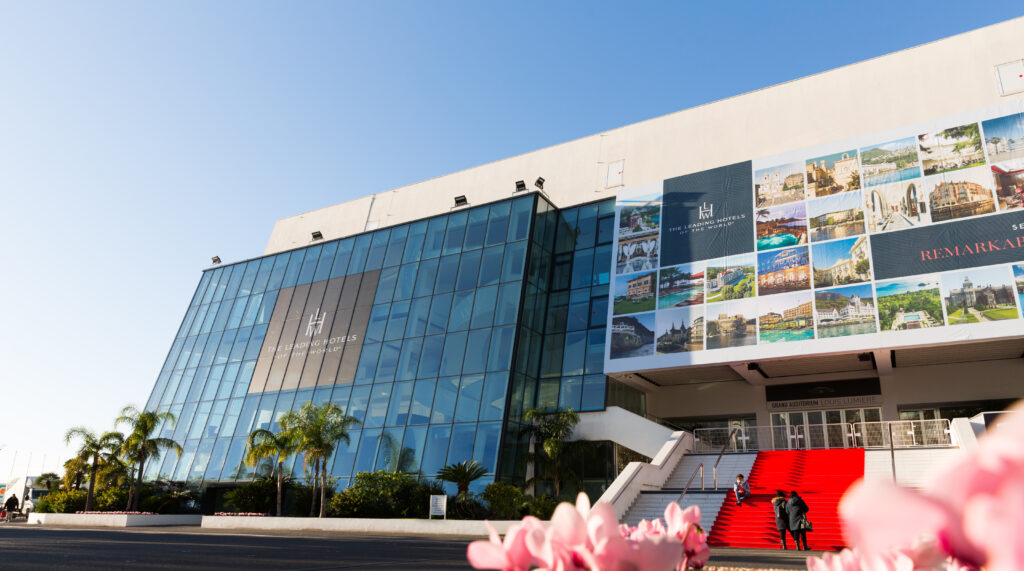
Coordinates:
651 505
728 467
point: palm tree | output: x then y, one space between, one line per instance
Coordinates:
263 444
317 431
74 471
552 430
48 480
140 444
462 474
90 453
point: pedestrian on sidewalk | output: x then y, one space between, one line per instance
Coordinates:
781 516
741 488
797 509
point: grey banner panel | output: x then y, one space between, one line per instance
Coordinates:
974 242
708 211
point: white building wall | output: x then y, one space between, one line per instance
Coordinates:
941 78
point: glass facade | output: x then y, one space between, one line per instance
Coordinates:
435 335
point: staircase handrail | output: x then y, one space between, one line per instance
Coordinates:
699 468
664 422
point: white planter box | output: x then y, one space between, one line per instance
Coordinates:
413 526
113 520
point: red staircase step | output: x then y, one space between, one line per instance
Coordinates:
820 476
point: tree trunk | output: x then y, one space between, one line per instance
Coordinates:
280 470
92 485
323 487
138 482
312 503
131 489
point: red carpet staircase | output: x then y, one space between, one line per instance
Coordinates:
819 476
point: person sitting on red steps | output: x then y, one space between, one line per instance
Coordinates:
741 488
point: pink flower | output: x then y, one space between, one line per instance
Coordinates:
511 555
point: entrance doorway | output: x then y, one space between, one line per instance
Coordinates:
816 429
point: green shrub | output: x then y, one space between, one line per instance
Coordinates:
111 499
541 507
466 506
383 494
258 496
62 502
505 501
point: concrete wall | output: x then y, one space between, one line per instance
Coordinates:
902 386
474 528
624 428
113 520
948 76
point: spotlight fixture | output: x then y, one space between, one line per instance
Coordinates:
317 235
460 200
864 357
539 183
520 186
756 367
215 259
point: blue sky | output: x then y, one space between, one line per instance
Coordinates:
861 290
830 160
980 277
894 145
825 255
834 203
141 138
1009 127
916 283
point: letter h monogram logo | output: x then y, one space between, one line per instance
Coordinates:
705 211
316 322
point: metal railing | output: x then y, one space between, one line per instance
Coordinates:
700 467
897 433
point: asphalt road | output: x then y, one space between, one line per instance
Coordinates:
25 547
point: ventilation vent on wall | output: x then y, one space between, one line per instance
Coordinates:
1011 77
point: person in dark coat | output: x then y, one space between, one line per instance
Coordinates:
12 503
797 508
781 516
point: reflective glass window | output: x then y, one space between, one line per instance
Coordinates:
419 310
284 404
227 427
277 273
223 312
476 229
401 398
461 311
605 229
197 323
236 312
248 414
198 427
444 400
201 288
396 246
519 223
595 351
593 392
358 402
476 351
388 362
224 349
455 233
425 278
210 350
422 401
346 455
436 449
599 311
213 467
412 448
409 360
323 266
575 352
342 258
434 238
378 247
378 323
565 239
582 269
389 453
249 277
386 285
212 382
291 274
447 272
406 282
244 377
490 266
454 350
198 383
414 243
492 400
263 275
396 320
579 310
309 264
367 363
507 307
515 257
483 307
360 248
252 309
469 269
440 307
468 406
239 344
586 226
340 397
367 454
252 350
380 395
570 393
185 461
602 264
502 341
224 282
497 223
460 448
430 356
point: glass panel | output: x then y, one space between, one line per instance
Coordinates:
602 264
439 309
595 351
386 285
507 307
447 272
586 233
377 249
468 407
414 244
377 324
570 394
416 324
462 311
515 257
389 454
425 278
519 226
476 229
593 392
360 248
455 234
396 321
367 367
412 449
430 356
388 362
401 398
483 307
497 223
227 427
490 266
436 449
434 238
379 397
566 240
488 439
367 454
454 349
476 351
409 359
502 340
469 269
460 448
444 400
346 455
245 419
396 247
342 258
309 265
277 273
358 402
422 399
493 396
605 229
406 282
213 467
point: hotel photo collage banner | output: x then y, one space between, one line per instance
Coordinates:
908 237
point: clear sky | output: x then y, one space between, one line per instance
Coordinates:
137 139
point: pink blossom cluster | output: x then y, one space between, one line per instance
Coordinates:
253 514
968 515
122 513
582 537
